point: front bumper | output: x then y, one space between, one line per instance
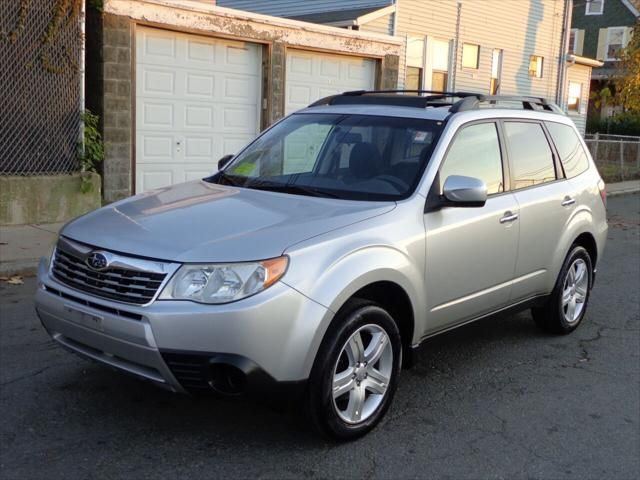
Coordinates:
264 344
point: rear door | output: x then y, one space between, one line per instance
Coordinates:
471 252
542 193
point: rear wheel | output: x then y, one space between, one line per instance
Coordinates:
356 371
567 304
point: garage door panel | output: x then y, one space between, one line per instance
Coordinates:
198 116
199 148
154 148
154 177
157 81
313 75
199 85
197 98
157 115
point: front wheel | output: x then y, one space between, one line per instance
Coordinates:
567 304
356 372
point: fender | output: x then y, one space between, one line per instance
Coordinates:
581 221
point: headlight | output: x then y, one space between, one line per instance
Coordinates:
51 250
223 283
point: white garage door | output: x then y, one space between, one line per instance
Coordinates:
197 99
312 75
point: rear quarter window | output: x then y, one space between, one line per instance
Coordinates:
572 155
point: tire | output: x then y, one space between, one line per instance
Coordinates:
556 315
356 410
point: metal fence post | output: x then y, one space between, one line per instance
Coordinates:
595 150
622 158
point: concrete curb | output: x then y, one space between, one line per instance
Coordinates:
24 268
623 192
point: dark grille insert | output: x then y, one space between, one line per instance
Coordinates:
189 370
97 306
130 286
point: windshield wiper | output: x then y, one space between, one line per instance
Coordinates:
291 188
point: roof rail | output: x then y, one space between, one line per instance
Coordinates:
390 97
528 103
457 101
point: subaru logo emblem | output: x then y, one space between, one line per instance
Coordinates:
97 261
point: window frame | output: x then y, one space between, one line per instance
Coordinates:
557 165
607 43
572 44
590 2
462 65
557 152
531 57
436 187
579 97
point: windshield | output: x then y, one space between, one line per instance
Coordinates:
355 157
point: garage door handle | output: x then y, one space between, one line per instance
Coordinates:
568 201
509 217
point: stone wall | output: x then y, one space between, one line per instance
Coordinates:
46 198
117 109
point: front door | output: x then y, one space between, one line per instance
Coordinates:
471 252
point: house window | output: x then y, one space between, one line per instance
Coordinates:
594 7
616 41
439 65
535 66
496 67
575 93
414 78
470 55
573 36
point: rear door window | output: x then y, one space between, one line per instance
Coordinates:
572 155
530 154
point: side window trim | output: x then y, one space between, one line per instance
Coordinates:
557 161
555 157
505 179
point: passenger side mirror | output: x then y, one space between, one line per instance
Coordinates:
460 191
223 161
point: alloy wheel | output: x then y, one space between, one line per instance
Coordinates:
362 374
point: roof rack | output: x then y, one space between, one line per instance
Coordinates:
457 101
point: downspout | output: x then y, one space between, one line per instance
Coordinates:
564 44
395 18
456 44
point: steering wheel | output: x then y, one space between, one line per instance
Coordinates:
397 183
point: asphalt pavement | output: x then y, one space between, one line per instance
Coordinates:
495 399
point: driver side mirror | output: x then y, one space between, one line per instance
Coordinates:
224 160
460 191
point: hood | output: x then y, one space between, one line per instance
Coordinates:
203 222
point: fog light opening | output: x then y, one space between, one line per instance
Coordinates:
227 379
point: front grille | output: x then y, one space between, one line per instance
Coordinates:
123 285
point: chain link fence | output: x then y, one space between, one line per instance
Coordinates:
40 48
617 156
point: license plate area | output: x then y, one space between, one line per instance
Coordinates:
84 318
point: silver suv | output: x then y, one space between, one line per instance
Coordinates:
311 266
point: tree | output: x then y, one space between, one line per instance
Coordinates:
628 80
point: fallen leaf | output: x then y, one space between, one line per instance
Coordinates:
3 278
17 280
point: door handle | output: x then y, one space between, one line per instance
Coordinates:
568 201
509 217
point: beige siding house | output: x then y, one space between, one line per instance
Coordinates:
509 47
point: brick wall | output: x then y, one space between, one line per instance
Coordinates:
116 76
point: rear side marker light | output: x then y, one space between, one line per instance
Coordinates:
603 191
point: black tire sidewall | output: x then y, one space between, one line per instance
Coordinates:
575 253
320 400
